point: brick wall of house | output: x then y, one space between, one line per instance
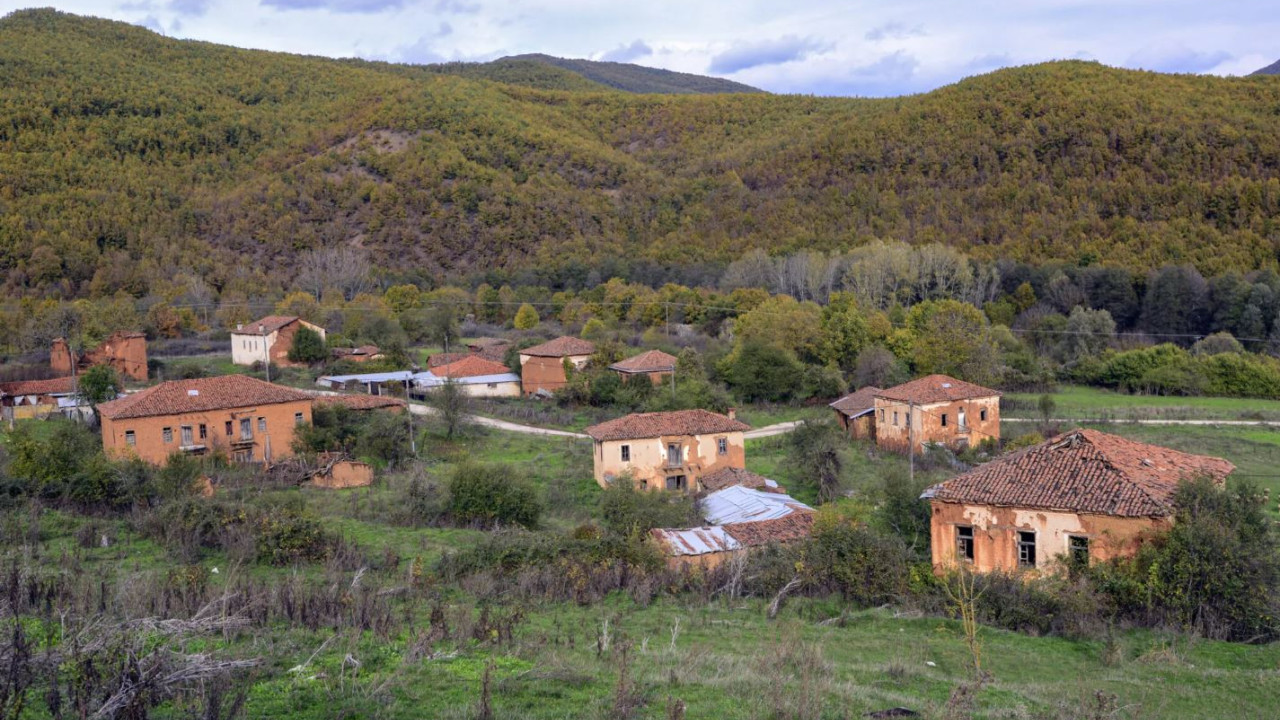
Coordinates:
929 427
149 444
546 373
995 532
126 353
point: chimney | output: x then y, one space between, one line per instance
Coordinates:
239 327
733 413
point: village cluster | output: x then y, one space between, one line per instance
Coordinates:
1084 495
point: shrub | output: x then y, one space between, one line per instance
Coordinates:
757 371
625 510
1217 570
492 495
307 347
864 566
287 535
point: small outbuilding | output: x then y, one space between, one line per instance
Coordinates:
856 413
654 365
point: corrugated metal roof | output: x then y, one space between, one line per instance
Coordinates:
737 504
382 377
695 541
429 379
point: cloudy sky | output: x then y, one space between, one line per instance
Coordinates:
827 47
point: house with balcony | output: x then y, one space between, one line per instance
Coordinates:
667 450
935 410
247 419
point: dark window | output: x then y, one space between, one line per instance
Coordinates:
644 484
246 429
626 453
204 431
228 428
1026 548
262 424
297 419
881 414
677 482
944 419
895 417
960 416
674 456
168 435
187 438
1078 549
130 438
722 445
982 414
964 543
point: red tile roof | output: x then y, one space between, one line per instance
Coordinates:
795 526
728 477
54 386
936 389
1084 471
269 324
658 424
439 359
646 362
362 350
178 397
563 346
361 401
470 366
857 403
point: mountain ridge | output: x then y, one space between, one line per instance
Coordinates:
134 163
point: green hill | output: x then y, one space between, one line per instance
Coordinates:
129 161
1272 69
637 78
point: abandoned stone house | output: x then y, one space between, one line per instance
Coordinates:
652 365
936 410
542 367
125 352
667 450
247 419
1085 495
268 338
856 413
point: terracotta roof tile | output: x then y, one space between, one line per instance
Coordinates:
440 359
470 366
936 389
361 401
177 397
54 386
795 526
563 346
646 362
269 324
728 477
1084 471
857 403
657 424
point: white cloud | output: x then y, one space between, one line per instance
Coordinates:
820 46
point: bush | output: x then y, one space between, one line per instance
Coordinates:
866 567
626 511
1216 571
492 495
757 371
307 347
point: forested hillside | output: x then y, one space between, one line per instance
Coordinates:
129 161
637 78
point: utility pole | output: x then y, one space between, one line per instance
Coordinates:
911 440
408 408
262 330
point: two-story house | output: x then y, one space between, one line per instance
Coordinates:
936 410
269 338
1086 495
248 419
667 450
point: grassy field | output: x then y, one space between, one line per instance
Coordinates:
722 659
1078 402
